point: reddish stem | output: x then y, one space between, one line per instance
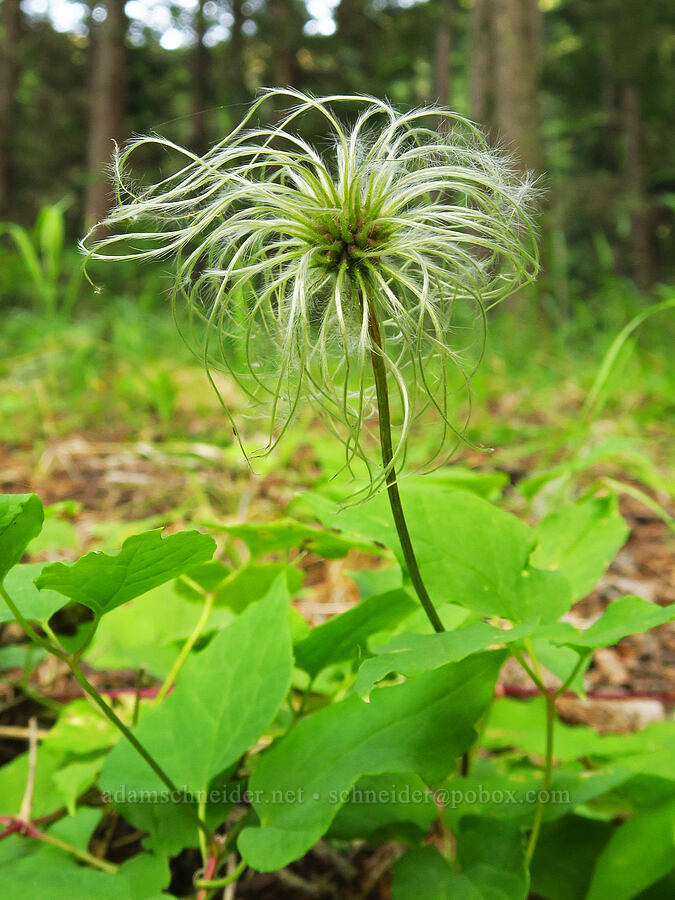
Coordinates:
209 872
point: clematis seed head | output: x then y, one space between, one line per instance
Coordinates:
285 252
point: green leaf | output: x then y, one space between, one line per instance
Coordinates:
21 517
72 780
571 839
420 726
377 801
640 852
252 582
469 551
520 724
80 730
627 615
287 534
412 654
425 873
346 636
227 695
56 536
580 541
144 633
104 581
514 795
36 606
492 857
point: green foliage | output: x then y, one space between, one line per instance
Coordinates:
102 581
298 750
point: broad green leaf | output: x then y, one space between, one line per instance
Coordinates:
21 517
492 856
520 724
104 581
561 662
377 801
489 485
469 551
227 695
72 780
36 606
514 795
377 581
424 873
53 874
580 541
80 730
627 615
13 777
640 852
57 535
412 654
346 636
146 632
566 853
250 583
21 656
420 726
287 534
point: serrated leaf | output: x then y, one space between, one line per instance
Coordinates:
287 534
34 605
469 551
346 636
580 541
412 654
420 726
21 517
227 695
639 853
104 581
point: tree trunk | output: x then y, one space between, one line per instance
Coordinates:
199 71
108 80
238 92
634 176
9 79
442 50
480 63
515 30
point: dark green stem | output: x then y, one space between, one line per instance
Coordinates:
382 390
73 664
546 780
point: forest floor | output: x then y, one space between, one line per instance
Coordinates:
121 473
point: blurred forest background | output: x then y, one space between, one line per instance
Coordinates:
582 90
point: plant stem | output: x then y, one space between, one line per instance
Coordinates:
136 744
74 666
69 848
546 780
382 391
185 650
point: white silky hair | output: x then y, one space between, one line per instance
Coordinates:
283 252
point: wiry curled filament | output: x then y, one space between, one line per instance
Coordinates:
283 252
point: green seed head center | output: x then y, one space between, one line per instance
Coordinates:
346 241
